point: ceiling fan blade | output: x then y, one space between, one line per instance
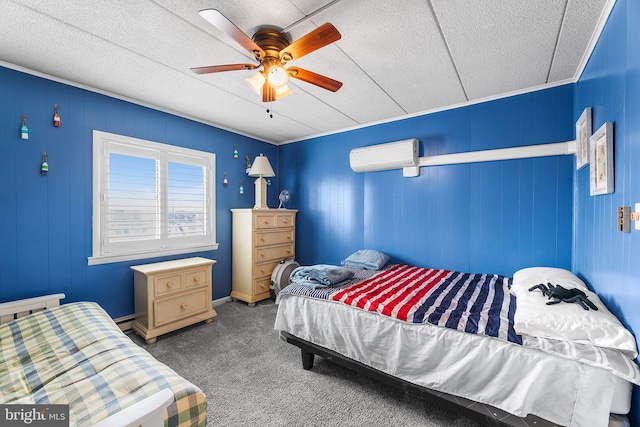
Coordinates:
218 20
320 37
268 92
314 78
219 68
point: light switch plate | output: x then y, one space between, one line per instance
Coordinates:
624 219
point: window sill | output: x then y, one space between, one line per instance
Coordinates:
107 259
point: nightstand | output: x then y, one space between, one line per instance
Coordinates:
171 295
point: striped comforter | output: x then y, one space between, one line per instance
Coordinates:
75 354
473 303
476 303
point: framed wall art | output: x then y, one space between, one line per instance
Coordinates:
583 133
601 160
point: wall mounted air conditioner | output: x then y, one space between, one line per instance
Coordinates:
392 155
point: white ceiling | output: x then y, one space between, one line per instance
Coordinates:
396 58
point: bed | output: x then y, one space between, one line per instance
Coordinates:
458 338
74 354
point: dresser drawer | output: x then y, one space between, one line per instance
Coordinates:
172 309
164 285
263 238
196 278
277 253
285 220
264 220
261 287
264 269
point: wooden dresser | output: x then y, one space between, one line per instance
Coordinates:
171 295
261 239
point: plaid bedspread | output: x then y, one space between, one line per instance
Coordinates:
474 303
75 354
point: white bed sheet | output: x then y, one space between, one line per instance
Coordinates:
508 376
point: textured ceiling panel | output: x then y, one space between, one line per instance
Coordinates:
500 45
394 58
580 21
401 49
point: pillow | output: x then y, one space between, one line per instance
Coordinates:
366 258
566 321
528 277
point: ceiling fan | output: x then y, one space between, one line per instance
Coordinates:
273 50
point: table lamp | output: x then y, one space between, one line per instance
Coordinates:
261 168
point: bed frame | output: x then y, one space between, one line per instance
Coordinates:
310 350
146 413
16 309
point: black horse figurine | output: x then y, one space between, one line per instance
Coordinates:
559 294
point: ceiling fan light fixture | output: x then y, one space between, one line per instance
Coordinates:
283 91
277 76
256 82
273 49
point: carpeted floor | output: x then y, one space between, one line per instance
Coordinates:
253 378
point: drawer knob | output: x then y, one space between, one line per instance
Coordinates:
262 254
183 306
266 221
169 285
196 279
262 239
263 286
288 251
288 236
286 221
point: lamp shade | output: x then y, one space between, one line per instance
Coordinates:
255 82
283 91
261 167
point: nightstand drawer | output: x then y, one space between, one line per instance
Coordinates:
263 238
167 284
196 278
264 269
286 220
274 253
172 309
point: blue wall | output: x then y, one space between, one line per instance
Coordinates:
46 221
492 217
610 85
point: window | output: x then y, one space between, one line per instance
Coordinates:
150 199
